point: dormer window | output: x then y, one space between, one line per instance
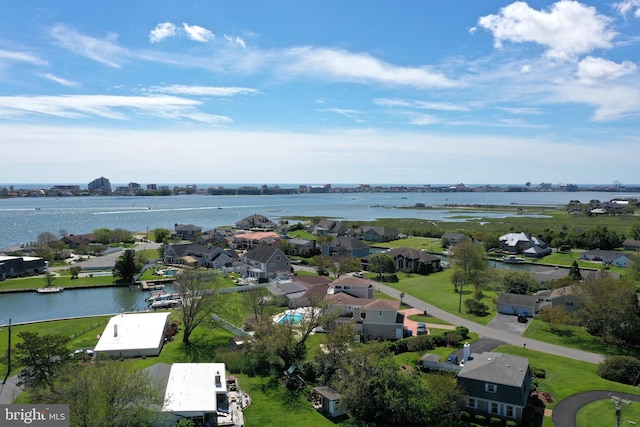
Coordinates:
490 388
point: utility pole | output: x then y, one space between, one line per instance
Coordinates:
8 354
618 404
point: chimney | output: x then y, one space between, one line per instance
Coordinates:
115 330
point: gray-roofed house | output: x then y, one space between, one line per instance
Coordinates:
523 243
452 238
631 245
497 385
266 262
517 304
354 286
344 245
195 255
415 261
302 247
375 234
616 259
186 231
371 318
329 227
256 222
327 401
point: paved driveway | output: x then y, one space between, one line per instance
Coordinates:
508 323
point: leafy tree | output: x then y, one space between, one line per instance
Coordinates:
199 291
469 257
110 393
343 264
254 299
457 279
375 391
75 270
49 277
557 318
574 272
161 234
622 369
47 239
43 358
102 235
634 266
322 263
517 282
126 267
339 341
634 232
476 307
445 397
608 308
381 264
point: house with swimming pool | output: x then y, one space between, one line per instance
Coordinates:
371 318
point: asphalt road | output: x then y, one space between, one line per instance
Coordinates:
493 333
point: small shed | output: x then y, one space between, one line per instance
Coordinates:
517 304
134 335
327 401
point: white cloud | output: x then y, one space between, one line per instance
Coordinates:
598 70
423 105
60 80
197 33
104 50
106 106
627 6
21 57
235 41
347 66
203 90
612 102
567 29
162 31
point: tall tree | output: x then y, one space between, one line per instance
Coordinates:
126 267
200 294
516 282
469 257
43 357
381 264
608 308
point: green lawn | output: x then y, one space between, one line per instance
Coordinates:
436 289
64 280
602 412
574 337
565 377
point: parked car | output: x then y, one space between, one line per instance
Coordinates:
421 329
358 274
522 318
452 360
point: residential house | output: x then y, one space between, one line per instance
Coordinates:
414 261
195 255
329 227
517 304
256 222
356 287
452 239
218 236
78 241
186 231
563 297
345 246
523 243
251 240
497 385
371 318
302 247
265 262
614 258
375 234
631 245
14 266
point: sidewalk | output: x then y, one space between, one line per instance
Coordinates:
9 390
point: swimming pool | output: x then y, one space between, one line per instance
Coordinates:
294 318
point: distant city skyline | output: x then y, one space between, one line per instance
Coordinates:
328 92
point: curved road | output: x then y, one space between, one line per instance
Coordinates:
564 414
488 332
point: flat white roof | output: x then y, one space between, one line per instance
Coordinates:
192 387
133 331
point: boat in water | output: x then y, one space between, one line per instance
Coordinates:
165 303
50 290
512 259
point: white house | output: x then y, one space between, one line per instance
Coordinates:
134 335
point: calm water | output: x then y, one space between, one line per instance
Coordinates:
22 219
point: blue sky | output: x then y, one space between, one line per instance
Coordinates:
428 92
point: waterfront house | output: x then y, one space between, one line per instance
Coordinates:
302 247
185 232
14 266
134 335
195 255
375 234
631 245
265 262
414 261
614 258
523 243
497 385
450 239
329 227
253 239
256 222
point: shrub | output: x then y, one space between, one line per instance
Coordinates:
538 372
512 423
622 369
481 419
475 307
421 343
463 331
453 339
439 340
494 421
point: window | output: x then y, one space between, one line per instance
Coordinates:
493 409
380 313
471 403
490 388
509 412
278 257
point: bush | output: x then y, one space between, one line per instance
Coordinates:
538 372
621 369
463 331
439 340
494 421
475 307
421 343
453 339
481 419
400 346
